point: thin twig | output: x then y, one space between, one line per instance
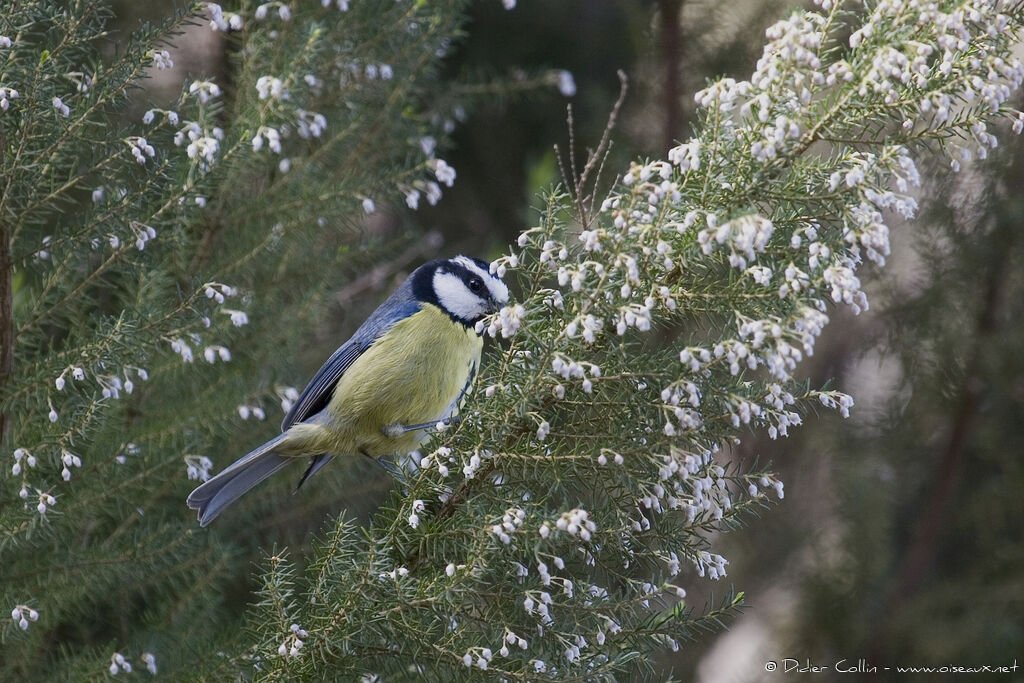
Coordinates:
597 156
374 278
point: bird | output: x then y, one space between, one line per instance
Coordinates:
410 365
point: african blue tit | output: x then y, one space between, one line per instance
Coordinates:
408 367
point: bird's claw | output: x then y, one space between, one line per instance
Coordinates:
393 431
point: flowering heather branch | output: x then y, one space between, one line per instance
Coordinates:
551 533
145 269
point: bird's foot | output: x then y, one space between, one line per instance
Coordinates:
393 431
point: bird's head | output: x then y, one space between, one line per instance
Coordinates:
462 287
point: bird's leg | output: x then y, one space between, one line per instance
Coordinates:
394 431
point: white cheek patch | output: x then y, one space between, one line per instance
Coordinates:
495 287
498 290
455 297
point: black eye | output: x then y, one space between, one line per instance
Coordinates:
475 285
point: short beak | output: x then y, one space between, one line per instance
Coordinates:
492 305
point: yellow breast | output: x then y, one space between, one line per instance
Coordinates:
411 375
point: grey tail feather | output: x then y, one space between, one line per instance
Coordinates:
213 496
315 464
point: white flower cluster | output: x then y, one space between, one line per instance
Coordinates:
268 134
568 369
431 189
283 11
150 115
575 522
129 449
203 144
587 326
510 522
238 318
687 415
162 60
204 91
441 459
711 564
444 173
213 352
540 605
44 502
221 20
140 149
218 292
780 418
482 656
686 156
414 517
374 71
293 642
20 455
511 638
68 460
271 87
60 107
197 467
6 95
507 322
743 236
602 460
767 482
310 124
182 347
44 253
119 663
245 412
288 395
475 460
22 614
395 574
565 82
688 482
836 400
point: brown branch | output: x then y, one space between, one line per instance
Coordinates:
374 279
598 154
921 551
926 536
596 158
671 59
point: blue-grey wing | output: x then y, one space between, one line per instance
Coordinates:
318 392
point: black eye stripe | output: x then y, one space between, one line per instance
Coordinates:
475 281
